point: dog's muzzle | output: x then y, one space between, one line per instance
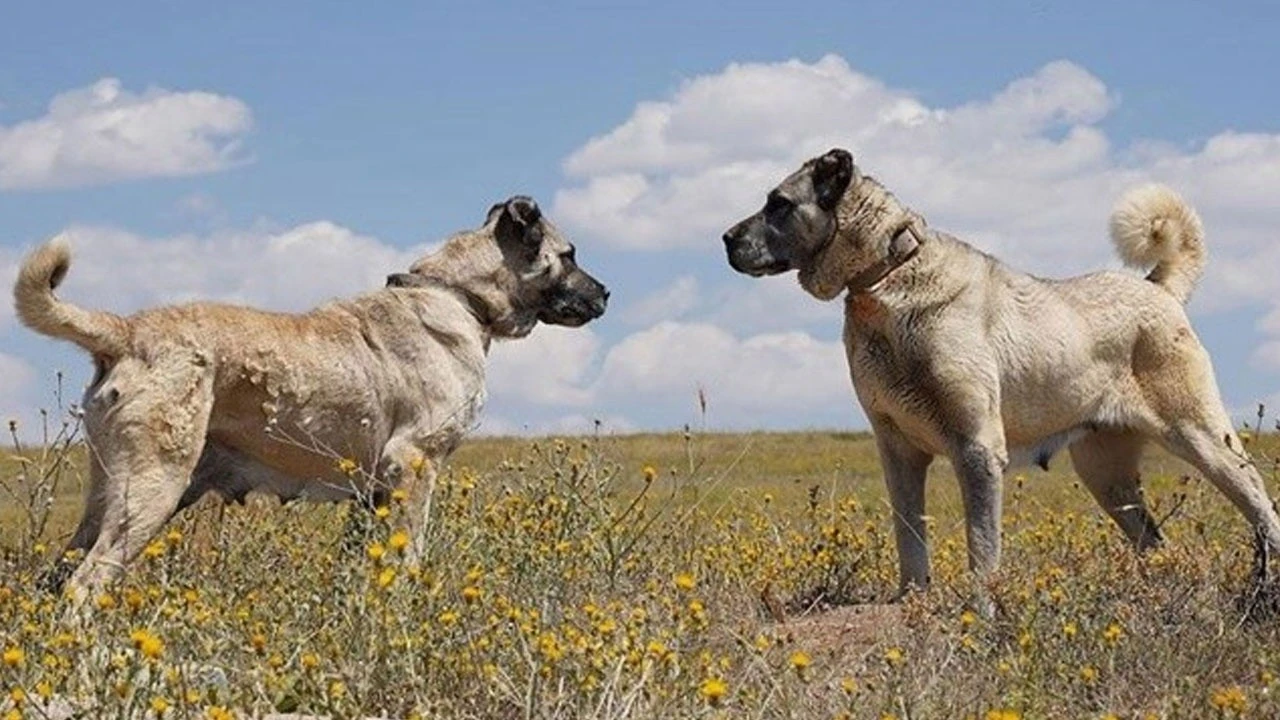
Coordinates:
576 305
751 258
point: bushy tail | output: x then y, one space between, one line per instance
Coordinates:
1153 227
101 333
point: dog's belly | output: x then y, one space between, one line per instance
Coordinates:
1040 453
233 475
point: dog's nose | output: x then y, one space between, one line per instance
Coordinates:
728 238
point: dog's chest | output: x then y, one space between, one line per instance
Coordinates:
453 421
894 385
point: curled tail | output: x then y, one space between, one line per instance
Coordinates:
101 333
1153 227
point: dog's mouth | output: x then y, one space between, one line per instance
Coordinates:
574 311
756 267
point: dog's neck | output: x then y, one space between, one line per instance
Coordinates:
472 271
875 236
903 246
475 304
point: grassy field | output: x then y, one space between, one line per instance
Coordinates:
645 576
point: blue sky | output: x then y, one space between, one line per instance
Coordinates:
372 130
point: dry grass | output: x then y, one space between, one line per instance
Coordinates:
644 576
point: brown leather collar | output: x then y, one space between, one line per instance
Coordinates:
904 246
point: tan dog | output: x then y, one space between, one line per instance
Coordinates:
205 397
952 353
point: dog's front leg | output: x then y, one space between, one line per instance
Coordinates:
405 467
905 468
980 465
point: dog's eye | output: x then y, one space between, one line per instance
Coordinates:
778 206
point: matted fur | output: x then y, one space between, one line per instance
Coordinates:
954 354
206 397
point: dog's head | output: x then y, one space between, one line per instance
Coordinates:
518 268
826 220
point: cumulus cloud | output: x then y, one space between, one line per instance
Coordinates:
102 133
1027 173
289 269
666 303
17 379
547 368
745 380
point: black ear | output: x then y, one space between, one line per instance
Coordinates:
832 174
406 280
518 222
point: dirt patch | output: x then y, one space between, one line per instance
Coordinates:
844 633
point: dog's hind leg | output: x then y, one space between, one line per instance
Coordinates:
147 428
1107 462
86 534
1218 454
905 468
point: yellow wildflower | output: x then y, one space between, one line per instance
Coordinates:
713 690
894 656
685 581
650 473
1003 715
800 661
348 467
159 705
399 540
376 551
14 657
1113 633
1230 698
1088 673
417 465
386 577
147 643
471 594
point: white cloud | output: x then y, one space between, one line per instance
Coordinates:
668 364
17 381
290 269
1027 173
9 259
666 303
102 133
753 305
547 368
